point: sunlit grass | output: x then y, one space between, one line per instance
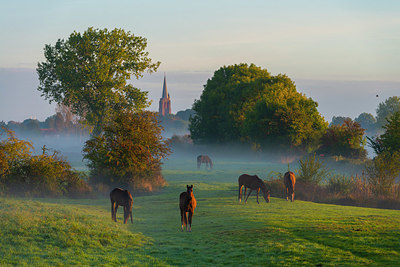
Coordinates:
36 232
225 232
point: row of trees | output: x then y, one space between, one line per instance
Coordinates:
63 122
374 125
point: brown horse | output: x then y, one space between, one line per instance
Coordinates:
290 180
204 159
120 197
187 204
254 183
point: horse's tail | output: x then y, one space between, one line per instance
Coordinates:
290 180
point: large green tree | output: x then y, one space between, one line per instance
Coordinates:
88 72
246 103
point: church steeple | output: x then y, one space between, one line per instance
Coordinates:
165 100
165 90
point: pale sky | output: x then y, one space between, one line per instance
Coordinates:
324 46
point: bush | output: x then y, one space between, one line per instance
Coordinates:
340 184
41 175
382 172
312 170
275 184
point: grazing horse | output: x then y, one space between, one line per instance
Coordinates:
120 197
204 159
254 183
187 204
290 180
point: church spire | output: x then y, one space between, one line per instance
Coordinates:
165 90
165 100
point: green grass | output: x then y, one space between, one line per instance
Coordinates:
225 232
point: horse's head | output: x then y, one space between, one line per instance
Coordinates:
189 190
265 193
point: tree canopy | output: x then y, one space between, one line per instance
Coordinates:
88 72
345 140
246 103
128 151
386 109
389 141
367 121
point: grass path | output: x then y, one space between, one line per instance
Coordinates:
225 232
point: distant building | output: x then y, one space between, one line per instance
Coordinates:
165 101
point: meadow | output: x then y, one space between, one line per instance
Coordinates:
224 232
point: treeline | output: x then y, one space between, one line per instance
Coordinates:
373 125
177 124
61 123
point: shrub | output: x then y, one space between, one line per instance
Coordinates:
275 184
36 175
382 172
340 184
312 170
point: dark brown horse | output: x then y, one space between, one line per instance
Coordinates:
187 204
120 197
204 159
254 183
290 180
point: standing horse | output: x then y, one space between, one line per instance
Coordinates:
290 180
204 159
120 197
187 204
254 183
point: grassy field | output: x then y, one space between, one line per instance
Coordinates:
225 232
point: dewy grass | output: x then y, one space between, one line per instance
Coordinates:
224 231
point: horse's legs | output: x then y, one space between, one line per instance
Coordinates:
245 192
258 191
126 215
251 190
183 219
190 220
287 193
240 192
112 210
292 195
115 212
